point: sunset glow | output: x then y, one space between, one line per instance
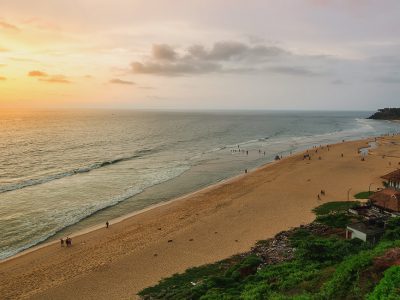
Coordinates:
203 54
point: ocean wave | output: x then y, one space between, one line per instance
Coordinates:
86 169
66 220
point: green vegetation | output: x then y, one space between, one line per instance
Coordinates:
335 207
389 286
386 114
334 214
392 231
362 195
324 266
340 220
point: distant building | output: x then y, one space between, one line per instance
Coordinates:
393 179
387 200
365 231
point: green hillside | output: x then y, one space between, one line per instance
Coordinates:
309 262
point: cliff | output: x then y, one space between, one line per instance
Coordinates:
386 114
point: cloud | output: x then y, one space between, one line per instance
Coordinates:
36 73
231 50
8 26
120 81
222 51
294 70
2 78
224 57
56 79
2 49
180 68
43 76
163 52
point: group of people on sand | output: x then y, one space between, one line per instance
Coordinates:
67 241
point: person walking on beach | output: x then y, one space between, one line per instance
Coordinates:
62 242
107 224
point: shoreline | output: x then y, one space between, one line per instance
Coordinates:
122 218
48 241
187 231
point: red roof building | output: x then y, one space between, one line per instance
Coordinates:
393 179
387 199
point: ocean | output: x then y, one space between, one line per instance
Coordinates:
62 171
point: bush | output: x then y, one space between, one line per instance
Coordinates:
392 231
344 282
338 220
389 286
327 250
247 267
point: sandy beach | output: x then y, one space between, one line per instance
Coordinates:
203 227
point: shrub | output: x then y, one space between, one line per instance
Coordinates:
337 220
327 250
389 286
392 231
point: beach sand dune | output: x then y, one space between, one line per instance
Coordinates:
200 228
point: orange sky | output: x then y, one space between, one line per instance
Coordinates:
308 54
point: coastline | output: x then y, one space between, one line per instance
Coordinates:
85 230
218 206
122 218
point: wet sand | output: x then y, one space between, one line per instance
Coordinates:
202 227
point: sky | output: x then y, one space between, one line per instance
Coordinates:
200 54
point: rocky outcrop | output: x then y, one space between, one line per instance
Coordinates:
386 114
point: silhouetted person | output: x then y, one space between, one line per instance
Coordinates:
107 224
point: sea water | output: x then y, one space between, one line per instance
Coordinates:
61 171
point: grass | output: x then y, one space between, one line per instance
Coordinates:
362 195
338 220
335 214
389 286
335 207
